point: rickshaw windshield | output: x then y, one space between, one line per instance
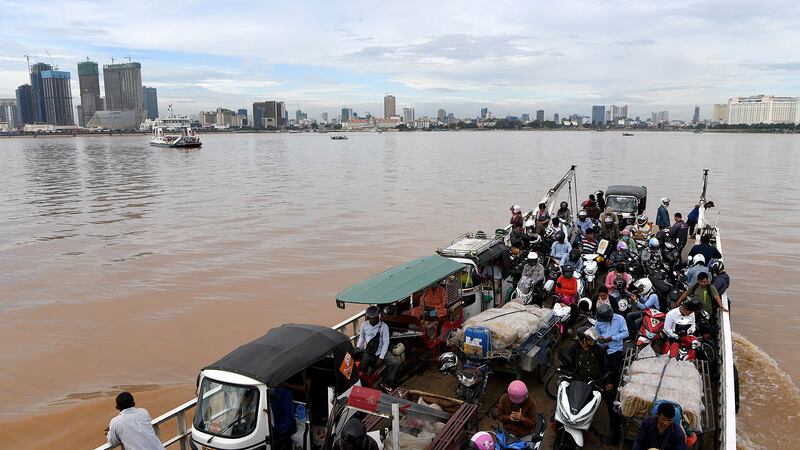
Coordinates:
226 410
622 204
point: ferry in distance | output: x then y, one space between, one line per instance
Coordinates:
174 131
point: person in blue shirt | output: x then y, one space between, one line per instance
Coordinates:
573 258
662 217
612 332
643 296
584 222
721 278
560 247
705 248
698 266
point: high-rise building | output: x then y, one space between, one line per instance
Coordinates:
8 112
150 101
324 117
441 115
25 110
662 117
598 114
300 115
269 114
57 97
389 106
720 113
123 86
555 117
615 113
540 116
484 112
763 109
525 117
89 83
347 114
207 118
39 110
408 116
696 117
242 112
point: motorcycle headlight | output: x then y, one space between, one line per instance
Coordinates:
467 381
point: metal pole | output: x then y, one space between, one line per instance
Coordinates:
396 425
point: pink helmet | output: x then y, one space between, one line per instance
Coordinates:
622 246
482 441
517 391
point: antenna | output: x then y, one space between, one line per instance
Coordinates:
28 57
112 60
55 67
128 58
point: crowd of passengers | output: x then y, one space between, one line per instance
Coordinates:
599 350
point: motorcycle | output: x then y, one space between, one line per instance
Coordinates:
684 348
504 440
590 267
576 404
474 373
652 324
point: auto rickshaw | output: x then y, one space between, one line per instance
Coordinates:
627 202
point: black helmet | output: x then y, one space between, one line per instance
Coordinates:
373 312
564 205
587 332
717 266
619 283
604 312
574 254
567 269
560 236
353 433
693 304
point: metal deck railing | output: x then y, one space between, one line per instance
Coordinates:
184 432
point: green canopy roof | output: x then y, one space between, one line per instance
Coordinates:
401 281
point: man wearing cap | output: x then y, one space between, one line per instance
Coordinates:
373 338
132 427
661 431
516 215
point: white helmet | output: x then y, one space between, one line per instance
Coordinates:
530 223
623 305
533 256
665 201
585 304
698 259
398 349
644 286
516 209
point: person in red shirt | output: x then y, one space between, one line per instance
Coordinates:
567 285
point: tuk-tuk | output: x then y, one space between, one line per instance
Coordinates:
627 202
418 299
274 392
480 254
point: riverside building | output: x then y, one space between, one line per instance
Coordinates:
57 97
89 83
123 85
763 109
389 106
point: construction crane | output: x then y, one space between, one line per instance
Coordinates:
28 57
55 67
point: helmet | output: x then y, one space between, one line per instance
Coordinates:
717 266
622 246
517 391
642 220
620 284
586 203
693 304
644 285
516 209
398 349
447 361
582 213
560 236
623 305
665 201
585 305
626 232
574 254
653 243
530 223
535 240
564 205
599 193
373 312
533 256
587 332
682 325
550 232
698 259
354 432
604 312
568 270
482 441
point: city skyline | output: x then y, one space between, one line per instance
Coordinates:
668 56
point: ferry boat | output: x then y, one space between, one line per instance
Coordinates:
175 132
428 304
339 138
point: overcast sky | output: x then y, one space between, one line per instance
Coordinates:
513 57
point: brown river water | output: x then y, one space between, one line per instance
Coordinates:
126 265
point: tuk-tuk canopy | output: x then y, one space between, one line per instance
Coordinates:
401 281
639 192
287 350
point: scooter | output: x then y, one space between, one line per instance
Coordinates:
683 348
576 404
504 440
652 324
590 267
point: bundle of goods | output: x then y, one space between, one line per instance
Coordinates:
661 378
415 434
509 326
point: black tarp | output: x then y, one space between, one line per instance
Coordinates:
287 350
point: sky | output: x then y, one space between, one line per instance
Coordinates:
512 57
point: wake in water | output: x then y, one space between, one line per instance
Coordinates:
769 414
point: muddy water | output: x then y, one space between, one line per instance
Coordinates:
126 265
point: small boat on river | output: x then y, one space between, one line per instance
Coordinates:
174 132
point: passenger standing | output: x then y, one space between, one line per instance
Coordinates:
692 218
601 201
516 215
705 248
679 232
721 278
542 218
662 217
612 332
132 428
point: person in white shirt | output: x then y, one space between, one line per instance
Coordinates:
132 427
373 338
680 320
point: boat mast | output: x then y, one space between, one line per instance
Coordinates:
705 186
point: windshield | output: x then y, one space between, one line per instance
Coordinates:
226 410
622 204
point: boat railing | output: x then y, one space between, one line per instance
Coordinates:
183 430
351 326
